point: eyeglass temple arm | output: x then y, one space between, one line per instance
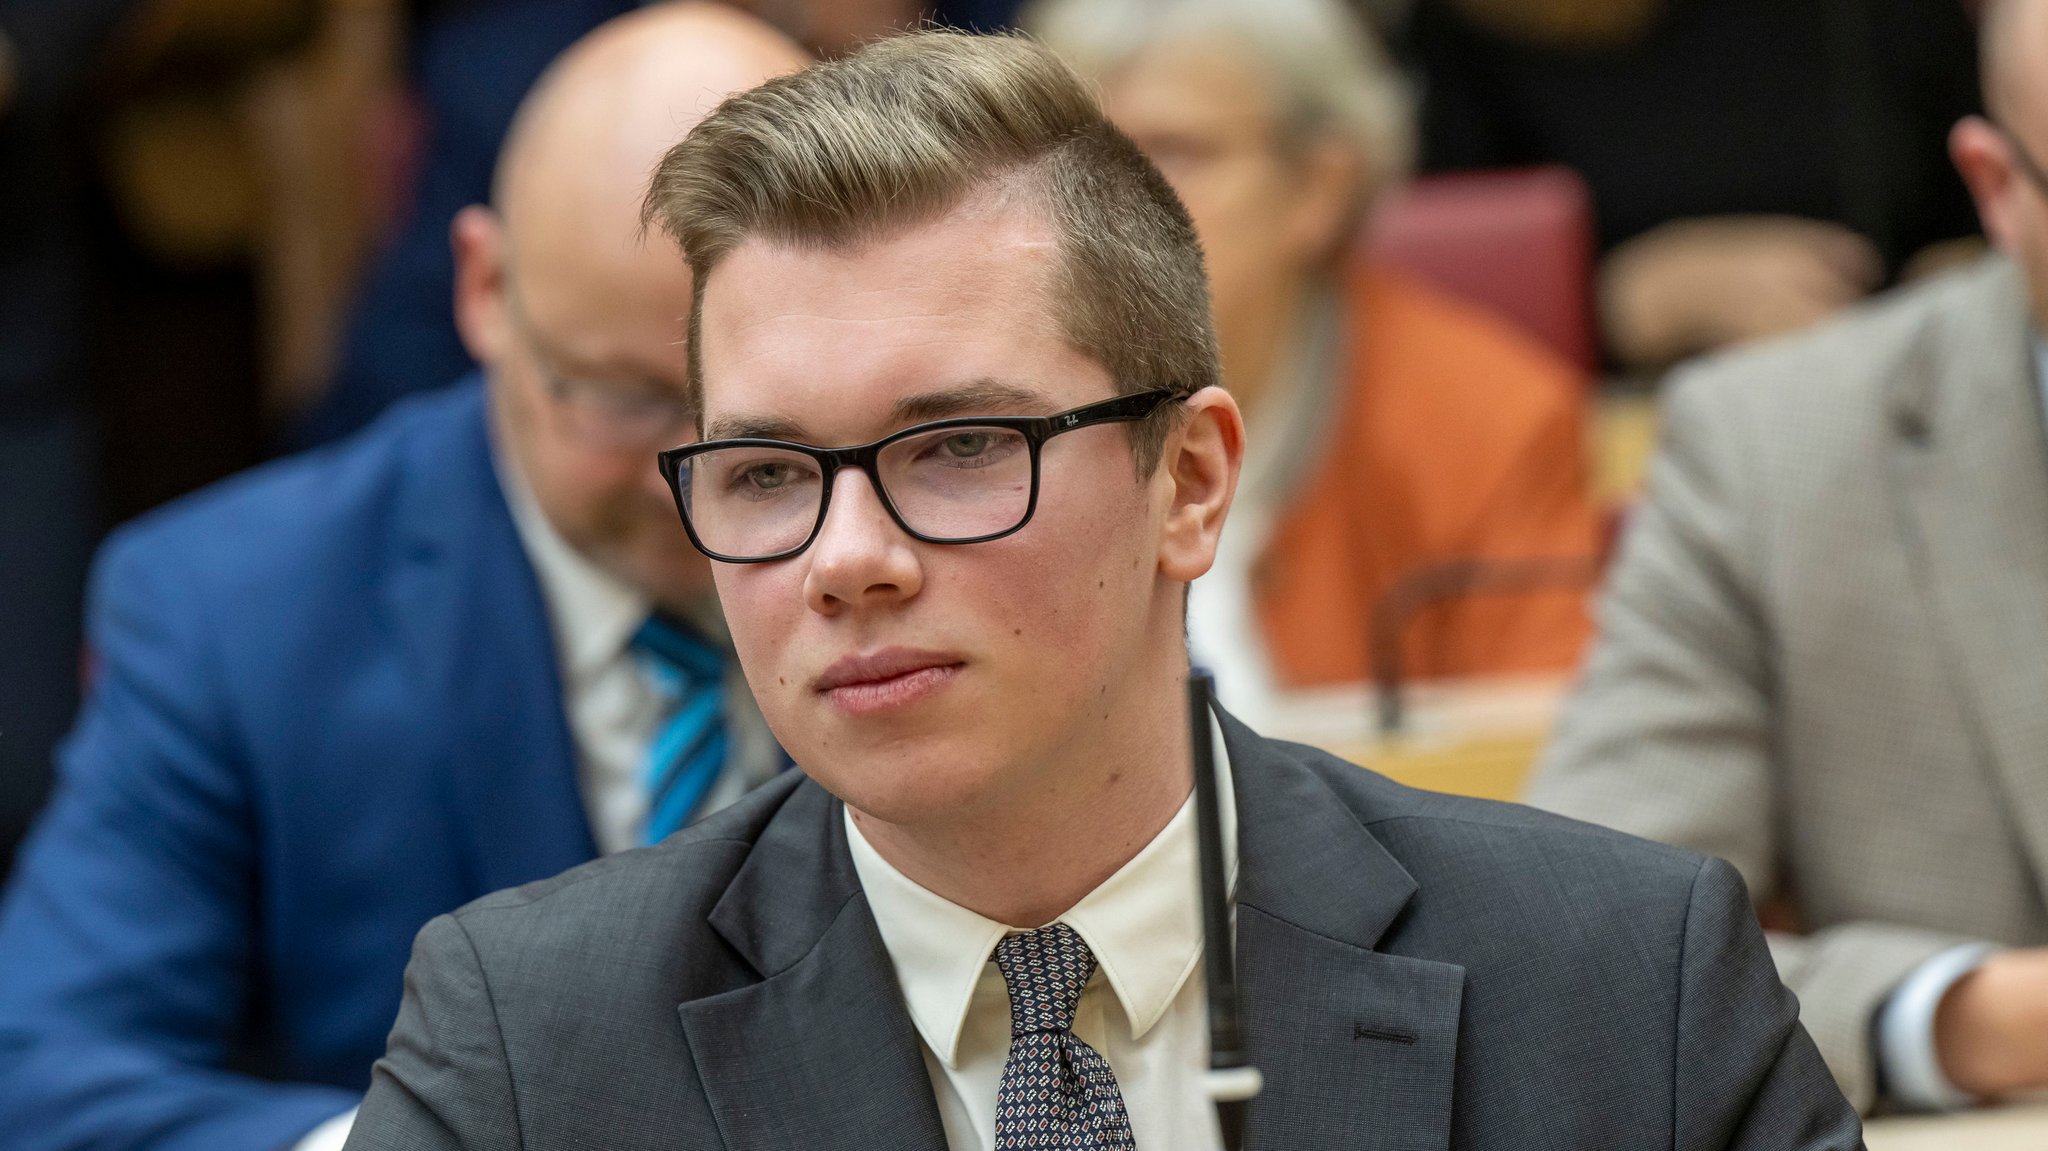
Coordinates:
1135 406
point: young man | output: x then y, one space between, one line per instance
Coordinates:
972 923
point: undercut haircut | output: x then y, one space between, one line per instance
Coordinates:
858 149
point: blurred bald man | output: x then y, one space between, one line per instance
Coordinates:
1824 648
345 693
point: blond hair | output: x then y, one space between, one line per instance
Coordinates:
851 151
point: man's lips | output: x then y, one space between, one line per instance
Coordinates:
886 679
879 667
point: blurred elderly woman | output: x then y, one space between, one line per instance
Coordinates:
1392 430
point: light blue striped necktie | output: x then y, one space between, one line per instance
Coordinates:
689 747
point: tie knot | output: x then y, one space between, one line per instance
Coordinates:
1045 971
680 651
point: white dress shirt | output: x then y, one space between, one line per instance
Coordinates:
613 704
1145 1009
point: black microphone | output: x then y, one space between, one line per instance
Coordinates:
1231 1081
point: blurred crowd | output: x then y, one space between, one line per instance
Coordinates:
431 648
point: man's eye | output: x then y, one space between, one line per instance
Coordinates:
966 445
766 476
972 448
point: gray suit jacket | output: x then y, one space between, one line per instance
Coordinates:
1418 971
1824 647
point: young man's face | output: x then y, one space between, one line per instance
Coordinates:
925 681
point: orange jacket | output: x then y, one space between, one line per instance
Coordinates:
1458 437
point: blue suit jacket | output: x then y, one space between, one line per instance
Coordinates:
325 709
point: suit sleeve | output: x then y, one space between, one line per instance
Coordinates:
1747 1075
1669 734
444 1082
126 936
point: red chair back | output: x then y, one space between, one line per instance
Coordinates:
1518 242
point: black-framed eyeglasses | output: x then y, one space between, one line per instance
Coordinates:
954 481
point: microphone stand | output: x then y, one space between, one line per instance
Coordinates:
1231 1081
1452 579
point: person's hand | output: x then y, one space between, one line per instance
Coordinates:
1692 285
1991 1030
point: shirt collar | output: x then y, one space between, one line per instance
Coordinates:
1144 925
594 613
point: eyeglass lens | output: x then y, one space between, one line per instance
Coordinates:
957 483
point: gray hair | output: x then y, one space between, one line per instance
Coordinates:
1329 75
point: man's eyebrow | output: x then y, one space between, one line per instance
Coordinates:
745 427
985 396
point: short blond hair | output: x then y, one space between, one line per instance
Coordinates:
850 151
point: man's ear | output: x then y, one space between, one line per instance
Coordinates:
477 237
1984 158
1200 464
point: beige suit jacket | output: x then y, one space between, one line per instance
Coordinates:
1824 646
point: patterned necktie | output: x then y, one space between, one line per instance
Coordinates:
688 750
1058 1093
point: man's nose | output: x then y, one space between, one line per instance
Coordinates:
860 556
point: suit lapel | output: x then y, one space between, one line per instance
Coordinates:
821 1053
466 604
1969 465
1358 1047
